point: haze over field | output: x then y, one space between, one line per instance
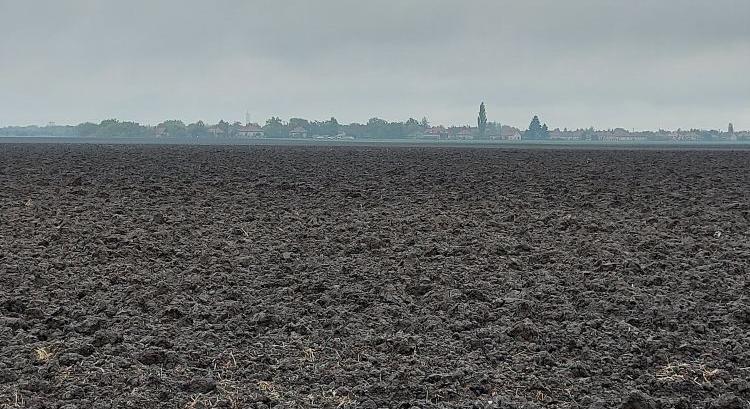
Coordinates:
579 63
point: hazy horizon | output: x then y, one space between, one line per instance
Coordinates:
638 65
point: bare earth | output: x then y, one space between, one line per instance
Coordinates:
231 277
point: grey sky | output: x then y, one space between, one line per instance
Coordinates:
641 64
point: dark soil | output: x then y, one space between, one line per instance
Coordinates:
166 276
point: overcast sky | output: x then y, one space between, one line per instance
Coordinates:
642 64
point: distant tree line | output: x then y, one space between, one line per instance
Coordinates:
274 127
375 128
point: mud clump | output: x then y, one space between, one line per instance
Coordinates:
638 400
107 337
200 385
729 401
151 357
525 330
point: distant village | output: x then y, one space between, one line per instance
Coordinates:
493 132
509 133
375 128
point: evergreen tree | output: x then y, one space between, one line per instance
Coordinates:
482 121
535 129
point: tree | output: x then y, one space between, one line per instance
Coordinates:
86 129
395 130
482 121
425 123
377 128
412 128
275 128
494 128
331 127
174 128
114 128
536 130
224 126
355 129
299 122
197 130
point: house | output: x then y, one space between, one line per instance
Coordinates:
619 135
464 133
250 131
510 134
565 135
160 132
216 131
576 135
435 132
686 136
507 133
298 133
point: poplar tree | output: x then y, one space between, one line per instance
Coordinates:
482 121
